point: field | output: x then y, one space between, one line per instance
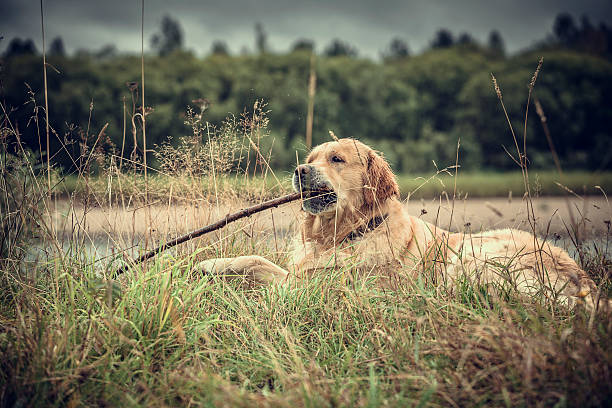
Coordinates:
164 335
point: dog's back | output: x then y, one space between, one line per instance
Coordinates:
520 261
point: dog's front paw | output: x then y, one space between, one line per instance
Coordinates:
213 266
251 268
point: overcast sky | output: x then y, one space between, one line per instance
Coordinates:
368 25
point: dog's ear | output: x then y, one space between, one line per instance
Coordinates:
379 181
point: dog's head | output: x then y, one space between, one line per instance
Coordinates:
341 174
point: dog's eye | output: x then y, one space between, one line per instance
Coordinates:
337 159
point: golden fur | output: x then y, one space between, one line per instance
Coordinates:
346 185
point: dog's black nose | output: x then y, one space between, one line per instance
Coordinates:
302 170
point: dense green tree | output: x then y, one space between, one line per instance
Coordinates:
443 39
106 52
57 48
584 37
465 39
219 48
169 38
338 48
18 47
261 39
496 43
303 44
565 29
572 90
398 48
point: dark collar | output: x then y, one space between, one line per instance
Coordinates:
361 231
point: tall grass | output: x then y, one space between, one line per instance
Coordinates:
168 336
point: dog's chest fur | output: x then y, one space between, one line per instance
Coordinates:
363 248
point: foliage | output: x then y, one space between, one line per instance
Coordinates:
398 48
443 39
413 108
496 43
339 48
303 44
57 47
219 48
17 47
261 38
170 38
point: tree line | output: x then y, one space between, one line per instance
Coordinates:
415 108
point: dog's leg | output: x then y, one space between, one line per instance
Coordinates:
251 268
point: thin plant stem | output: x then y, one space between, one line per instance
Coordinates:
123 138
144 122
42 24
312 86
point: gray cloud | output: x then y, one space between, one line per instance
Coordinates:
368 25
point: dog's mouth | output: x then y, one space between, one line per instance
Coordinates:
324 194
317 195
318 200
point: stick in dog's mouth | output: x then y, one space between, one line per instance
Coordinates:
319 193
318 200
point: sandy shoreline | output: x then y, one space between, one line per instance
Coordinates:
552 216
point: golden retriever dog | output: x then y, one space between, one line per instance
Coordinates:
353 217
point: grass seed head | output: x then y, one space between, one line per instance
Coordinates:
497 90
534 78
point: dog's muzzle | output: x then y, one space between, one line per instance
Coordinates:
317 193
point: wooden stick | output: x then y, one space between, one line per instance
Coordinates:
246 212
